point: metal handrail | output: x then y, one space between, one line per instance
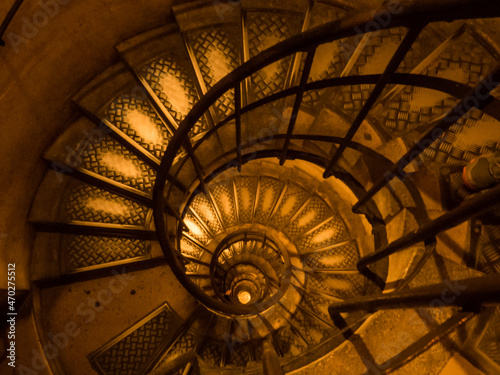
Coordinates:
447 86
411 15
8 19
482 203
470 294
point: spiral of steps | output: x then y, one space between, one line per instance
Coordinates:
262 243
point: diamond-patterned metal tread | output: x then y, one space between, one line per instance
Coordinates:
317 304
246 188
264 31
212 352
313 331
239 355
315 227
269 191
85 252
223 195
138 120
425 44
330 233
415 106
329 61
466 68
185 343
203 207
196 229
372 60
290 344
322 13
379 51
190 248
490 249
329 58
110 159
473 135
192 267
341 286
490 343
216 56
134 351
172 85
272 258
236 354
352 98
88 203
342 257
315 212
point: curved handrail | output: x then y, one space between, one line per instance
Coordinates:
413 15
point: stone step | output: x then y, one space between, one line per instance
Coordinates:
363 167
376 345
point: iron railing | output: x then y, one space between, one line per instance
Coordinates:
413 16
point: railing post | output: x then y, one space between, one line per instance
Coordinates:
478 98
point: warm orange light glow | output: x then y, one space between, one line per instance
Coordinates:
268 200
246 199
244 297
307 218
218 63
188 248
207 211
144 126
324 235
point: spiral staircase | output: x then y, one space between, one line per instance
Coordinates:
214 171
